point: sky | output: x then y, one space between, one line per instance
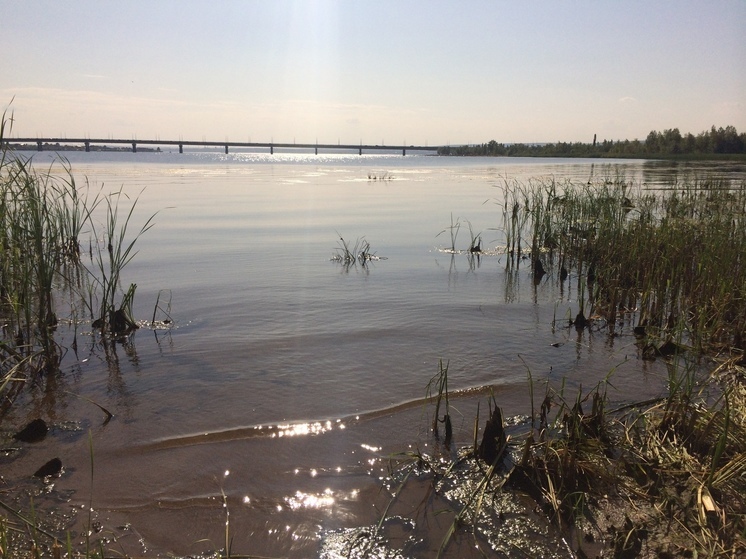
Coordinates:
377 72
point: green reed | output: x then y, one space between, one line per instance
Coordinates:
437 389
475 244
673 256
453 232
120 250
349 254
33 257
42 217
520 208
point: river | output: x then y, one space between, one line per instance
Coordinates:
285 379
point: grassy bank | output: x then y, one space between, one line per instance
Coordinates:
582 476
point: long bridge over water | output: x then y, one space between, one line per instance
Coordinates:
50 144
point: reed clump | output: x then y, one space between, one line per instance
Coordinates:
671 260
42 269
39 228
350 254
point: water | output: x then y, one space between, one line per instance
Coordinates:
286 379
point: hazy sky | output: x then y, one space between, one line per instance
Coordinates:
426 72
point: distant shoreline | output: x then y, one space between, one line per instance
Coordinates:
451 152
714 144
73 147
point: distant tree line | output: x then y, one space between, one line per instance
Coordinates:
666 144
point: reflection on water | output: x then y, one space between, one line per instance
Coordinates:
657 172
296 375
320 501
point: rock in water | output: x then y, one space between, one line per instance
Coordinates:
51 468
33 432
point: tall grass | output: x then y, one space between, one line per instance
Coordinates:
112 317
36 256
42 216
674 257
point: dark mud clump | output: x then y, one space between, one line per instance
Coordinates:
33 432
49 469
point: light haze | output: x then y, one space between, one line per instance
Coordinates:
425 73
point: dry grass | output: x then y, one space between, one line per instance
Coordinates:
661 478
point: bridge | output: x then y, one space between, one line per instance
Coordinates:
50 144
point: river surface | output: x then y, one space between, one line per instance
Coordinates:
286 379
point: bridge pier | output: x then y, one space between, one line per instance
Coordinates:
134 147
87 147
271 149
181 147
316 151
360 152
403 151
38 145
226 149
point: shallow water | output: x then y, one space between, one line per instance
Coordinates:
286 379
